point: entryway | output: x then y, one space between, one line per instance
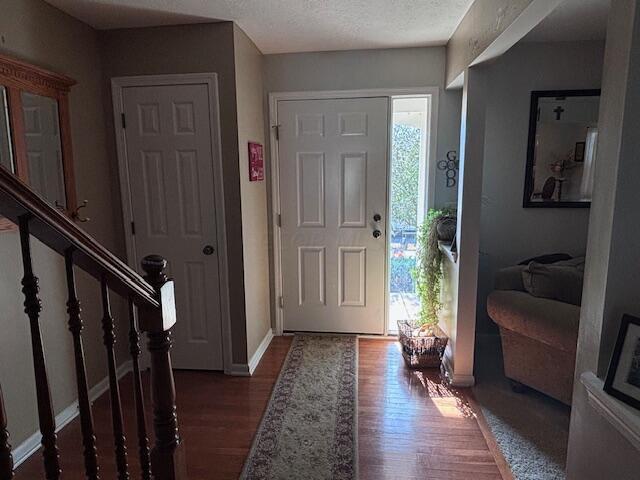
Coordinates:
395 406
169 156
333 166
338 247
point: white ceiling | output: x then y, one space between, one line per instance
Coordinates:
573 20
279 26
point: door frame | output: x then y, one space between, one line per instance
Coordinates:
118 84
390 93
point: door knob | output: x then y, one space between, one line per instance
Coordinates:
377 233
377 217
208 250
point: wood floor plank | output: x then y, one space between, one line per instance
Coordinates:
411 426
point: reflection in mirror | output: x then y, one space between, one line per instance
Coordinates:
560 168
44 153
6 152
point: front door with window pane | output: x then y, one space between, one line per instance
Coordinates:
333 190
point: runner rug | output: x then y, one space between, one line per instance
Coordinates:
309 429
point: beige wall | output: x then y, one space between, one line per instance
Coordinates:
489 29
510 233
596 449
372 69
40 34
192 49
459 356
485 21
249 90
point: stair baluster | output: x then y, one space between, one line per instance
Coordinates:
143 440
114 389
32 307
154 300
90 451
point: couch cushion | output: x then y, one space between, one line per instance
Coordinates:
548 321
560 281
545 259
510 278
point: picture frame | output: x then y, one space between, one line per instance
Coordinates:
623 375
256 162
578 155
551 165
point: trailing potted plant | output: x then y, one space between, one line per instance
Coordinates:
423 342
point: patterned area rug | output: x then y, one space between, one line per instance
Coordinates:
309 429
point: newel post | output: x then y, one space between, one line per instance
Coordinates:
167 455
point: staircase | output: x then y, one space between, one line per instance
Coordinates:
151 310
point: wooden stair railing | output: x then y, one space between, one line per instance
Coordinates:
153 299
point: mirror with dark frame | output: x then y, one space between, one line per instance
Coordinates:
563 135
44 150
35 132
6 151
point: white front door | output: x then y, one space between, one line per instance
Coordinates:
170 164
333 191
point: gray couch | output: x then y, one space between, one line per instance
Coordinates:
538 334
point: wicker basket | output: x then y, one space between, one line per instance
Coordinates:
421 352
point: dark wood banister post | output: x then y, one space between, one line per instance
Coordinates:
167 455
33 307
117 423
90 451
6 460
143 440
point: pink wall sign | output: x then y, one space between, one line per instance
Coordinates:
256 162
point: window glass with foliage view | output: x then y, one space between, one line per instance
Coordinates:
407 161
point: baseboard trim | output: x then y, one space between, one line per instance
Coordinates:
238 370
32 444
392 337
455 380
257 356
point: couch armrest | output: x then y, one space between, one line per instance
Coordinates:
547 321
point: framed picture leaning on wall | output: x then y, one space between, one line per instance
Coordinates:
623 377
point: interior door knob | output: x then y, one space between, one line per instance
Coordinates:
208 250
377 233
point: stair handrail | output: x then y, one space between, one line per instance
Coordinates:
153 295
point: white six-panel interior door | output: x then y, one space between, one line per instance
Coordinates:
333 201
169 162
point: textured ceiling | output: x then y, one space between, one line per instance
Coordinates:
573 20
278 26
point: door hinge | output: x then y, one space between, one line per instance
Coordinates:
124 120
281 301
278 220
276 129
133 228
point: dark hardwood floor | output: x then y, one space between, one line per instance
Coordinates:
411 426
